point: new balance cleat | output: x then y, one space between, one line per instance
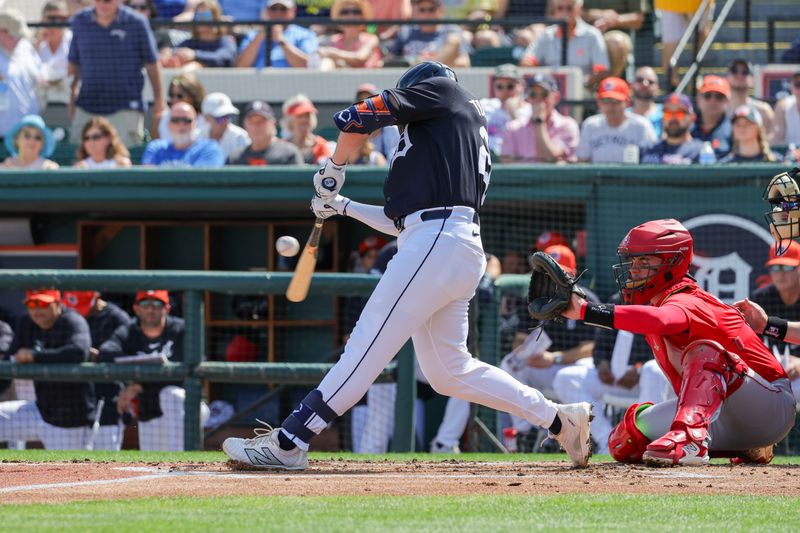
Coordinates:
263 452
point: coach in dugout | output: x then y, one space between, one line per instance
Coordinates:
63 413
155 337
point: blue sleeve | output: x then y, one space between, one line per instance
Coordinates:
149 157
73 56
223 56
428 99
148 51
307 41
208 155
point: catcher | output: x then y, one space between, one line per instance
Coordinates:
734 399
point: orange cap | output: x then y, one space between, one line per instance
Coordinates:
615 88
80 301
715 84
563 257
790 257
43 295
161 295
373 242
550 238
301 107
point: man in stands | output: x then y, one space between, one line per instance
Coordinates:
508 104
787 116
678 148
292 45
740 79
20 70
644 91
185 149
430 42
266 148
712 125
218 112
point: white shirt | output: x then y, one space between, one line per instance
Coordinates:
233 141
54 64
600 143
19 77
497 119
792 119
91 163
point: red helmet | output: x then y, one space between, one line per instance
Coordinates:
666 238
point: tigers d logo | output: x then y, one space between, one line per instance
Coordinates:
729 254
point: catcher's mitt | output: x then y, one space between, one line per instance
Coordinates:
550 288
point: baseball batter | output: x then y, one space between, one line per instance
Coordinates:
436 185
725 379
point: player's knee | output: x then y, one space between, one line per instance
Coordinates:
627 443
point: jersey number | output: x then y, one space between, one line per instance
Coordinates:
484 162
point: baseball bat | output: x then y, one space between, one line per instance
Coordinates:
301 280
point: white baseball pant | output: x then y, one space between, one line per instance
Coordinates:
165 433
20 420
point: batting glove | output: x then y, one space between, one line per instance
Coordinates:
326 208
329 179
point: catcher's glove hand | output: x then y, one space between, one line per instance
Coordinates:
550 289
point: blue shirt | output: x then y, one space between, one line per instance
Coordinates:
673 154
219 53
242 9
720 137
111 60
302 38
203 153
169 8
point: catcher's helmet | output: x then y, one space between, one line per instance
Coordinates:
666 238
423 71
783 219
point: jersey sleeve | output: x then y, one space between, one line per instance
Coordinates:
428 99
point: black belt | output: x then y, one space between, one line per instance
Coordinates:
433 214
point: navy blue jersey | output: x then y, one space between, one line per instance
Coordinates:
102 325
442 158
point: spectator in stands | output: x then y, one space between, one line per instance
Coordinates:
430 42
750 143
353 46
166 38
209 46
507 104
156 336
300 120
169 9
614 19
385 140
370 156
605 137
53 44
113 38
292 45
787 116
485 35
792 54
101 146
644 92
218 112
20 71
546 136
73 6
242 9
390 10
675 17
740 79
586 48
29 143
185 87
265 147
678 148
62 413
103 318
712 125
512 9
185 149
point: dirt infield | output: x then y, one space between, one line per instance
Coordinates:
22 482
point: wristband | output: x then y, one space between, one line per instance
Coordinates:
776 328
558 358
601 315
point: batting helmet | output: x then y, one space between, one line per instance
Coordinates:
667 239
783 219
423 71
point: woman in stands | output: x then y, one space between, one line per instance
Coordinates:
300 120
30 142
353 47
100 146
184 87
750 141
209 46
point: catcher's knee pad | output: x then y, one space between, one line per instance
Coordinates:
627 443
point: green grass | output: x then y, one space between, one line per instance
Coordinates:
413 513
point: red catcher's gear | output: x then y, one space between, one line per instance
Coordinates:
626 443
666 238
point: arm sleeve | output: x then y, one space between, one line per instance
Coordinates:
73 55
74 350
223 56
373 216
148 157
648 320
428 99
148 50
209 156
600 54
114 346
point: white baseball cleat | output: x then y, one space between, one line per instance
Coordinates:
438 447
574 436
263 452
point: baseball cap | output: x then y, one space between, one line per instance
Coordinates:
790 257
614 88
160 295
80 301
550 238
241 350
563 257
741 61
13 21
301 107
748 112
680 100
47 296
259 107
715 84
372 242
287 3
542 80
507 70
218 105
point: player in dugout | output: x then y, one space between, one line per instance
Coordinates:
725 378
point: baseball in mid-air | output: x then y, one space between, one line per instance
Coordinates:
287 246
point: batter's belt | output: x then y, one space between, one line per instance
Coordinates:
433 214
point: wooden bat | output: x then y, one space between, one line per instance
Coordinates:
298 287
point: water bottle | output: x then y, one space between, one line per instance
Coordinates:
630 154
707 156
791 154
510 439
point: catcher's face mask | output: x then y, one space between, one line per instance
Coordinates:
783 219
641 277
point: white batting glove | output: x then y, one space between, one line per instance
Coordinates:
329 179
326 208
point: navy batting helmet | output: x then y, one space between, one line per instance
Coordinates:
423 71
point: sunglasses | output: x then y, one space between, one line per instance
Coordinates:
32 136
155 304
739 71
277 7
95 137
177 96
564 8
719 97
678 115
353 12
426 9
180 120
55 18
645 81
538 94
222 119
504 86
33 304
781 268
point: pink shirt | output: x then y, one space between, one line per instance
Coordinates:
373 61
519 140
